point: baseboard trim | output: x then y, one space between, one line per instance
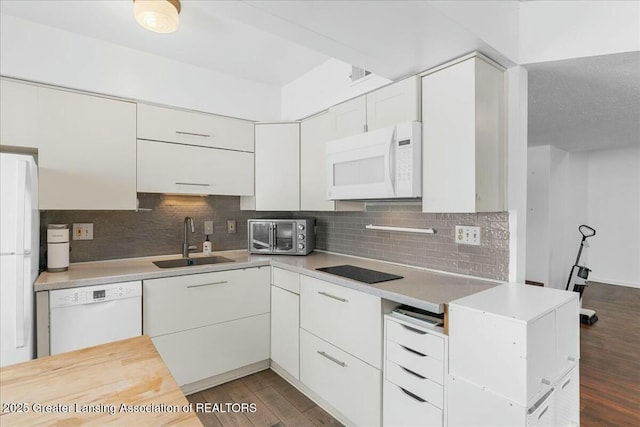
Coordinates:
605 281
224 378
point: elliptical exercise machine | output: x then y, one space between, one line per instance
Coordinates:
579 274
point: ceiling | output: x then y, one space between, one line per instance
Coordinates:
576 104
585 103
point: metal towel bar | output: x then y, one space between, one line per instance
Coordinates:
404 229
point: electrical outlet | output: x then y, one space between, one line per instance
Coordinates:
83 231
468 235
208 227
231 226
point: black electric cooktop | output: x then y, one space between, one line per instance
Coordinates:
360 274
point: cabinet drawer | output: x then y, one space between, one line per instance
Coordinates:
193 128
346 318
174 304
416 339
349 385
201 353
402 409
427 366
285 279
184 169
415 383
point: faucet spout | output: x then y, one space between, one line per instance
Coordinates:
185 241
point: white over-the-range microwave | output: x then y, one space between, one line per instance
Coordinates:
382 164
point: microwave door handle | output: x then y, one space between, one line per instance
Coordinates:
391 169
273 236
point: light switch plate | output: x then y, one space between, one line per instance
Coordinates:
467 235
208 227
231 226
83 231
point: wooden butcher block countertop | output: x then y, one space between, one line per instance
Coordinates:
120 383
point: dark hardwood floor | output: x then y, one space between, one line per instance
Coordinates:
609 375
278 403
610 357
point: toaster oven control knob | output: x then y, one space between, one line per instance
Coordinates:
301 227
301 236
300 245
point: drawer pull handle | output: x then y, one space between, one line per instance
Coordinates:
333 359
207 284
414 351
332 296
203 135
540 402
413 373
566 383
418 331
193 183
413 396
542 413
546 381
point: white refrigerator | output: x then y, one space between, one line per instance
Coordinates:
19 251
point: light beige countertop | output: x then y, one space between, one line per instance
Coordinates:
421 288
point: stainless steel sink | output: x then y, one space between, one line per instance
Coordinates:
185 262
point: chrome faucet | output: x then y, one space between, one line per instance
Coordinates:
185 242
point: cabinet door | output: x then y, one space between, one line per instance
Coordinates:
285 324
567 336
185 169
87 152
349 118
278 167
349 319
348 384
173 304
463 119
567 403
200 353
18 118
194 128
314 132
393 104
541 355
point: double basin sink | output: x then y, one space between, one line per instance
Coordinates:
186 262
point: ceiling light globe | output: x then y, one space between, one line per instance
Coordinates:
160 16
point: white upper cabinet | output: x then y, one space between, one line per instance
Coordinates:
277 166
186 169
464 138
18 114
87 152
194 128
393 104
348 118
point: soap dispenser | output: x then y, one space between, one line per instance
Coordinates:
206 246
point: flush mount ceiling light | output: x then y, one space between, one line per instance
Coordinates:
160 16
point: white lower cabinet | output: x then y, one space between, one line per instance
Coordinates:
568 399
204 352
414 372
345 382
285 324
346 318
403 409
208 324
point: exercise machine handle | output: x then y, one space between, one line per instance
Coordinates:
589 233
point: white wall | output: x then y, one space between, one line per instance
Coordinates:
614 211
555 30
600 188
40 53
322 87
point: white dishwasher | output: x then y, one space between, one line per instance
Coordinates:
92 315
